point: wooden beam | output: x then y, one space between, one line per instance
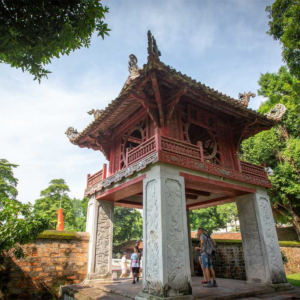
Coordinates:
197 192
127 203
158 99
150 107
211 202
191 196
216 183
172 102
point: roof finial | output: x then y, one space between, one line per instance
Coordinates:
153 50
132 65
245 98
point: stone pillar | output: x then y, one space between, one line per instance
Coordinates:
261 249
100 226
190 243
166 262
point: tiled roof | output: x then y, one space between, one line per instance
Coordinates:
177 77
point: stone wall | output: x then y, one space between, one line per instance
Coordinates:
229 260
54 259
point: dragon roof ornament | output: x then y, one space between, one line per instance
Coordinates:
276 113
153 50
133 66
245 98
72 133
95 112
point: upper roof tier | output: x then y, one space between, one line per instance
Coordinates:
158 88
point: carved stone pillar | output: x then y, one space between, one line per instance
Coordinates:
261 249
101 239
166 247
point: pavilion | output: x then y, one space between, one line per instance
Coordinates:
172 146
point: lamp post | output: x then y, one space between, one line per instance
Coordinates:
60 217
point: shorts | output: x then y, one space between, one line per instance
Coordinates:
124 271
136 270
206 261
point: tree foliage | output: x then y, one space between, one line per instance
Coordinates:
279 148
8 182
74 211
285 26
34 32
128 225
18 223
213 218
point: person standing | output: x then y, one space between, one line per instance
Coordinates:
200 259
206 248
124 265
135 265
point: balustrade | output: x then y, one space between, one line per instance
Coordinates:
251 169
166 145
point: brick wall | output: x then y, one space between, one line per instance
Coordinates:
293 255
229 260
56 258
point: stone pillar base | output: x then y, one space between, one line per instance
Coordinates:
107 277
145 296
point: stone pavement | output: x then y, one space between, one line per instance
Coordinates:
228 289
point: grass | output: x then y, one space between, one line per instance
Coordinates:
294 279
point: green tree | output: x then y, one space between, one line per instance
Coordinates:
80 213
285 26
128 225
33 32
8 182
73 210
279 147
213 218
18 223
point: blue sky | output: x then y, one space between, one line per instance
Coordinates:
222 43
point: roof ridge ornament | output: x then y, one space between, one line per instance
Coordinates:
276 113
95 112
72 134
245 98
153 50
133 67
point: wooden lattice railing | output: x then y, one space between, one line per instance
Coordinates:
97 177
174 151
182 148
140 151
248 168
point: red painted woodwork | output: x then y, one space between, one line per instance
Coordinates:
141 151
97 177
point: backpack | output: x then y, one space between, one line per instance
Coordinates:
209 246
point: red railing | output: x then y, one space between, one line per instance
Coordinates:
251 169
97 177
166 145
140 151
182 148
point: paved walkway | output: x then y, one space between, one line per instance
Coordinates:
228 289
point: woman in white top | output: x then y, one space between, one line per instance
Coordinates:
124 265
